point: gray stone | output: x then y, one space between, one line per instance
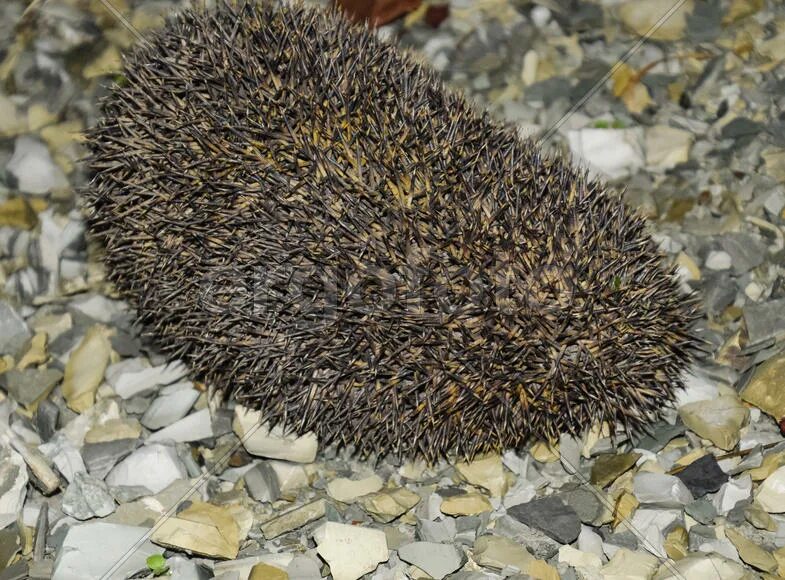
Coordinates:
46 419
87 497
29 385
765 321
540 545
659 435
185 569
442 531
746 251
585 503
660 489
702 510
153 466
303 568
100 458
167 409
15 332
194 427
262 483
95 549
437 560
550 515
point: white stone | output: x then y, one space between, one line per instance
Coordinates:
260 440
611 153
590 541
578 559
652 523
731 493
718 260
65 455
170 407
96 550
628 565
34 169
129 384
660 489
194 427
350 551
347 490
290 476
700 567
771 493
13 485
152 466
697 387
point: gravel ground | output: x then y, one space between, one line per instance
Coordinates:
112 464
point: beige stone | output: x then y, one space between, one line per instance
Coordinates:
609 466
628 565
347 490
718 420
766 388
114 429
85 369
293 519
498 552
651 16
486 472
263 571
771 493
201 528
751 553
385 506
468 504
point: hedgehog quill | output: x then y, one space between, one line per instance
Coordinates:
324 232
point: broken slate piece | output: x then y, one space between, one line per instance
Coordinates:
550 515
703 476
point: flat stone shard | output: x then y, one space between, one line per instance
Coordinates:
201 528
550 515
263 441
350 551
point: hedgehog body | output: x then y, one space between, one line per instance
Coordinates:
324 232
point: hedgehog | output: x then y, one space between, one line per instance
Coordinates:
323 231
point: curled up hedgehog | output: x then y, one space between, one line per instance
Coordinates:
324 232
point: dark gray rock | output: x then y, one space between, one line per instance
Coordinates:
703 476
539 544
435 559
765 321
585 503
550 515
46 416
29 385
15 332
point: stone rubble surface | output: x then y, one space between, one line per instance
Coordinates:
110 453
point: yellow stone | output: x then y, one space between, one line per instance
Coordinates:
766 388
677 543
114 429
108 62
625 506
720 420
541 570
693 455
36 354
85 369
201 528
771 463
607 468
486 472
17 213
385 506
266 572
544 452
752 553
38 116
643 16
469 504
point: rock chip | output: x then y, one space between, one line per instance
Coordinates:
751 553
718 420
498 552
766 387
486 472
771 493
194 427
437 560
350 551
628 565
734 491
703 476
550 515
347 490
660 489
201 528
13 485
467 504
262 483
34 169
94 549
152 466
610 466
85 369
293 519
386 506
166 409
87 497
263 441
